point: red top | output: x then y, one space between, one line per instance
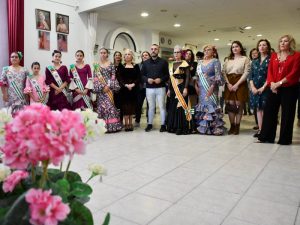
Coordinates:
289 69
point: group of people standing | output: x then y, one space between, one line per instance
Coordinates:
117 90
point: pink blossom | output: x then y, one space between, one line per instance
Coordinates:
12 180
46 209
39 134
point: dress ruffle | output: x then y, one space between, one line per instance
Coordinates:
209 120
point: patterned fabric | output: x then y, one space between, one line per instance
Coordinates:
20 78
258 75
31 89
208 114
105 108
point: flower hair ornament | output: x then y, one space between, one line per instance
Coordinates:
20 55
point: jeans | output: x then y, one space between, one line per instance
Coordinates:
152 95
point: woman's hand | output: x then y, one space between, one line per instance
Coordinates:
5 97
168 93
235 87
254 90
185 92
229 86
274 87
210 91
261 90
57 91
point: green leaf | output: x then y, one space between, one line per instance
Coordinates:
107 219
71 177
80 214
18 213
80 189
61 188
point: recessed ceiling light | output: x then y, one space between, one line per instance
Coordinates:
247 27
229 43
177 25
216 39
144 14
259 35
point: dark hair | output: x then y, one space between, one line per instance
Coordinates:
192 53
252 50
104 49
243 52
116 52
147 54
55 52
35 64
200 55
19 54
268 44
80 52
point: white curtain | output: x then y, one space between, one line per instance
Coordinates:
3 40
92 35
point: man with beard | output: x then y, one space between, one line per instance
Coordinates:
155 72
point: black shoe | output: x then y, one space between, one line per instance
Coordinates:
256 135
148 128
163 128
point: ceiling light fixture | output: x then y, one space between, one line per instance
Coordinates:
229 43
259 35
247 27
216 39
177 25
144 14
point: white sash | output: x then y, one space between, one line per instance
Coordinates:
80 86
57 78
37 87
13 84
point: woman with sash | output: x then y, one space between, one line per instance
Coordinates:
208 114
57 78
236 70
36 87
12 82
179 119
81 83
105 84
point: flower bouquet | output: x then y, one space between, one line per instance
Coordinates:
33 193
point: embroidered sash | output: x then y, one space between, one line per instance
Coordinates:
37 87
15 87
102 81
179 96
205 84
80 86
57 78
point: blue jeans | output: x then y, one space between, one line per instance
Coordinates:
152 95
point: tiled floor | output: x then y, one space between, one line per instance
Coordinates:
163 179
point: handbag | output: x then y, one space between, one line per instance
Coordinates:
233 108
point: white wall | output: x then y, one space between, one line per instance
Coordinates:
143 38
76 36
3 40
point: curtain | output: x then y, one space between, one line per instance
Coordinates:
92 35
15 16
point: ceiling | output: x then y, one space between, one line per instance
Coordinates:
204 20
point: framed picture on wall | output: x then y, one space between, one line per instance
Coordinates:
44 40
62 42
43 19
62 23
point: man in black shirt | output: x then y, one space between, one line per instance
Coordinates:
155 72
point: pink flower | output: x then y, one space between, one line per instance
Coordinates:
39 134
46 209
12 180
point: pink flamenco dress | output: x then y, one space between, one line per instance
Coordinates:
30 88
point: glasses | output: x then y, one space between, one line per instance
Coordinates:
176 52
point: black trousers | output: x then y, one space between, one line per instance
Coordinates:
140 102
286 97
